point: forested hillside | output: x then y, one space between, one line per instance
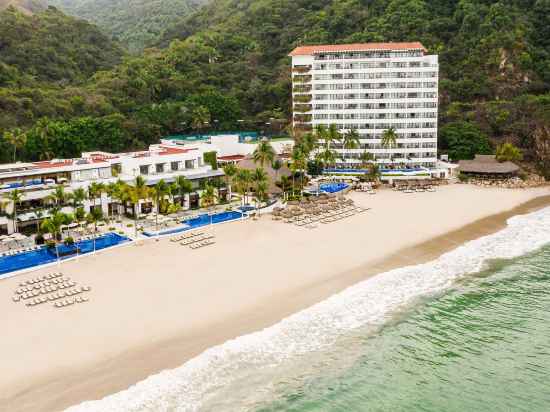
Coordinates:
135 23
494 55
24 6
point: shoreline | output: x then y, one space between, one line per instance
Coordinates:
129 366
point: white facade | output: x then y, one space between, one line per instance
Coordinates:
370 88
38 180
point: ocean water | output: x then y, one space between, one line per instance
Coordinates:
469 331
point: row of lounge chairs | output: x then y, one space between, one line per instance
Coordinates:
204 243
330 216
45 288
414 188
187 235
68 302
54 296
19 251
41 279
197 239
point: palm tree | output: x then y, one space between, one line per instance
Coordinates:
208 196
264 153
365 158
230 170
298 159
78 196
285 184
16 138
309 143
259 177
94 191
243 177
183 186
276 166
53 225
58 198
14 197
160 190
200 118
333 134
389 140
95 216
261 192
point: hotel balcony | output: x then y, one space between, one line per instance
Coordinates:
302 79
302 118
303 127
302 88
302 69
302 98
302 108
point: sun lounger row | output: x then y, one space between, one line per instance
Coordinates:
68 302
19 251
46 290
196 239
54 296
202 244
188 235
41 279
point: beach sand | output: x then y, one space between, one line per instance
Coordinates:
155 305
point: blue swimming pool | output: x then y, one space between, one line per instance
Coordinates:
333 187
44 255
202 220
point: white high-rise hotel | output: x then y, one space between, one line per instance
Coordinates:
370 87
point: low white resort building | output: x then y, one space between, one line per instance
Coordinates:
38 180
371 88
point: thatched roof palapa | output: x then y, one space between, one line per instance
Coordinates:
487 164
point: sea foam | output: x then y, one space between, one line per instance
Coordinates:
371 302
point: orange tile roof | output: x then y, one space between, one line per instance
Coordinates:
325 48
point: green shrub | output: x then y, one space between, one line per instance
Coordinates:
69 241
463 178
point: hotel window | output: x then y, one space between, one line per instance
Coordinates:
144 170
189 164
159 167
175 166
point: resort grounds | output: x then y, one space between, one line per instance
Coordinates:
155 303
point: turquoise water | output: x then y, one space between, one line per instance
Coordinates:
482 346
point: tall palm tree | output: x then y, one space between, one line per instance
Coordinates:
78 196
333 134
95 216
14 197
58 198
95 190
298 163
230 170
208 196
350 140
160 190
276 166
261 193
389 140
243 177
53 225
264 153
260 179
183 186
365 158
16 138
309 143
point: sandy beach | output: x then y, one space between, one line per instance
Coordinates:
155 305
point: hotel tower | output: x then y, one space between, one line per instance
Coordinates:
371 88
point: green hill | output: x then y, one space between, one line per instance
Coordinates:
230 58
135 23
52 47
24 6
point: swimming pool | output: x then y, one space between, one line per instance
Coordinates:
45 255
333 187
199 221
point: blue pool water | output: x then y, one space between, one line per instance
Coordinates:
247 208
333 187
44 255
202 220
